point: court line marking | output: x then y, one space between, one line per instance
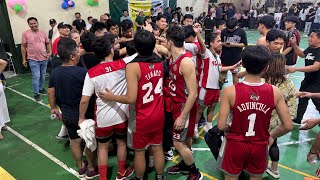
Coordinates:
14 85
296 142
175 160
4 175
35 146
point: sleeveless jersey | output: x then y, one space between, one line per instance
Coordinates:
254 103
150 103
177 86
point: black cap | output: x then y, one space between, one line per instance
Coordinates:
52 21
63 25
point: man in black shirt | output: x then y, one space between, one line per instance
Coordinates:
65 87
52 23
79 23
311 82
233 40
209 25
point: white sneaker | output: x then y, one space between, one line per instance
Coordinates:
207 127
274 174
195 133
168 155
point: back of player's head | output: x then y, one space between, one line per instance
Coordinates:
268 21
255 59
293 19
98 26
131 50
144 42
274 34
232 23
102 46
188 31
86 41
176 35
66 48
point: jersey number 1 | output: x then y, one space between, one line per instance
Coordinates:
148 97
252 120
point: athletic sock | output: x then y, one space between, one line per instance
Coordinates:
121 167
151 162
103 170
63 131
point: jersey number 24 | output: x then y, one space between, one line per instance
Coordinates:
148 97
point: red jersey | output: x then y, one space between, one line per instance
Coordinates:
55 46
177 86
150 103
254 103
199 61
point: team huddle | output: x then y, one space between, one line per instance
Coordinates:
175 77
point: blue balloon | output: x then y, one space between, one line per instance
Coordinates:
66 0
64 5
72 5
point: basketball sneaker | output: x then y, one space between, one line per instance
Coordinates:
271 172
168 155
91 174
129 171
195 176
37 97
181 167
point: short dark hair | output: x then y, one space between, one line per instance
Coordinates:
212 37
155 27
293 19
102 46
131 50
124 10
89 18
176 34
151 9
187 16
232 23
268 21
274 34
98 26
111 37
126 25
144 42
255 58
160 16
77 13
110 23
188 31
31 18
86 41
145 19
317 31
221 22
66 48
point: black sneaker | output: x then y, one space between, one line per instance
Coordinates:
43 91
296 121
37 97
179 168
195 176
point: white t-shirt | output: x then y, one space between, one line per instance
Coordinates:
110 75
210 73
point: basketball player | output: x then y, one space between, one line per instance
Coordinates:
111 117
265 24
183 90
251 103
144 89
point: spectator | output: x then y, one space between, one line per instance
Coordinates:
79 23
291 22
309 19
127 32
89 25
139 20
191 11
302 17
219 13
179 13
230 12
187 20
162 22
316 23
153 15
245 19
168 14
64 30
187 11
209 26
200 19
103 18
36 49
52 23
112 27
99 29
253 14
125 16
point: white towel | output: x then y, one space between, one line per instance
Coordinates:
88 134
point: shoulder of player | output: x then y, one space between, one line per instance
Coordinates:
276 92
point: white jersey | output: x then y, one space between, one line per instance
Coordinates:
110 75
211 68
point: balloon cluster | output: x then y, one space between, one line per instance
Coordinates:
67 3
19 6
93 2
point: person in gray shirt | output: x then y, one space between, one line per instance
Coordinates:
125 16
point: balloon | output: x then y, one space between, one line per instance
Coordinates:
11 3
95 3
64 5
18 8
71 4
24 9
22 2
90 2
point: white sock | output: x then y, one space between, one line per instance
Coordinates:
151 162
209 124
63 131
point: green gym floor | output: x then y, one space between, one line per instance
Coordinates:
30 151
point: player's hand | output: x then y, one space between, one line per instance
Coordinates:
291 70
293 40
24 63
57 113
81 121
197 28
270 142
106 95
311 157
147 27
179 123
309 124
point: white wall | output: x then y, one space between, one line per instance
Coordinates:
199 6
44 10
